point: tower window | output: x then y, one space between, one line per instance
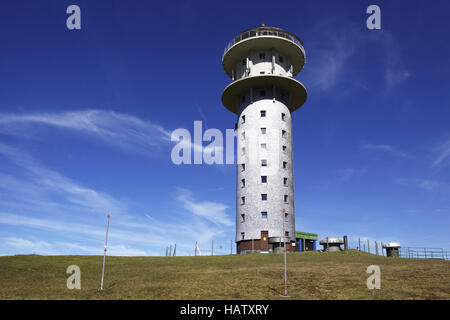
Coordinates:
264 214
263 146
280 58
284 148
287 234
243 183
263 113
283 116
283 133
263 179
243 134
242 200
264 196
285 180
243 217
263 130
284 165
262 56
243 151
262 72
286 217
263 163
243 119
243 167
242 235
285 198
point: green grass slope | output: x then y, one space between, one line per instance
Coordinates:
311 275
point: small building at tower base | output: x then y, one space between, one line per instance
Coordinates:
306 241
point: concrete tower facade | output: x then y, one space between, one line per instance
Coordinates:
262 62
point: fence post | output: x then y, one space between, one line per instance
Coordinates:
195 248
175 250
212 247
359 244
231 247
376 247
368 246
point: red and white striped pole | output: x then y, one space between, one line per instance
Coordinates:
284 240
104 251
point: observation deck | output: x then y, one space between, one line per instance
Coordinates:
264 37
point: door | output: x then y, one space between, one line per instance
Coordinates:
264 240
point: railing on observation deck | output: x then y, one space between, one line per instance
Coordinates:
261 33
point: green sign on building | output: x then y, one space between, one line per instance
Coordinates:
305 235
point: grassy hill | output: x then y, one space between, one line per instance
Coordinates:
311 275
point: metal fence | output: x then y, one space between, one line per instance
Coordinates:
424 253
262 32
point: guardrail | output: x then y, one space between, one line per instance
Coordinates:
262 33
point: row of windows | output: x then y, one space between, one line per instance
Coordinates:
264 198
264 180
265 216
263 114
262 56
286 233
262 93
263 164
264 131
264 147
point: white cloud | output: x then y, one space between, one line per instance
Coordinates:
213 211
346 174
425 184
396 71
120 130
25 246
443 155
39 185
329 55
385 148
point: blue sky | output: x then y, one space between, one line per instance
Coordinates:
86 117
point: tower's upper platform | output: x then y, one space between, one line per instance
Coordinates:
264 37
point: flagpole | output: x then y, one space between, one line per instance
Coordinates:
104 251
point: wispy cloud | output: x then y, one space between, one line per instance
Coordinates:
346 174
425 184
387 148
443 157
120 130
25 246
39 185
215 212
329 54
396 71
117 129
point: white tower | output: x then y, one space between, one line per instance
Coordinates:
261 63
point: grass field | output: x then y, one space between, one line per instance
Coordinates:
311 275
